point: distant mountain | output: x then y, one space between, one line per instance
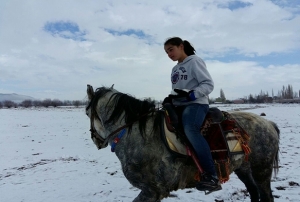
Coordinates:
15 97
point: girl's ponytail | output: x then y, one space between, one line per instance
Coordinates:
176 41
188 48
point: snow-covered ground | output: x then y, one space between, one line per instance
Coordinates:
47 155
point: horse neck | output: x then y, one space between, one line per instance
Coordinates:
120 122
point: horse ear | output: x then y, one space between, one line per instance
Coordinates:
90 91
112 87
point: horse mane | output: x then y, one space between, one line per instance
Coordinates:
119 103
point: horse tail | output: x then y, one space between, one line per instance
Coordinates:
276 159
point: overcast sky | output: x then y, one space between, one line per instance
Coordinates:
53 49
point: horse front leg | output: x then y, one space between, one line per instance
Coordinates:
147 196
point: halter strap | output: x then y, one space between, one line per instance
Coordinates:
117 139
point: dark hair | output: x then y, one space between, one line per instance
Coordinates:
176 41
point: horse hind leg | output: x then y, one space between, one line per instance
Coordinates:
262 176
262 167
244 174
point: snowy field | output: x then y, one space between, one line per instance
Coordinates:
47 155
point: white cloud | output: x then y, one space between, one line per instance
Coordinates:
239 79
46 66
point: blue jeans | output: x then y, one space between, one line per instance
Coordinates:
192 118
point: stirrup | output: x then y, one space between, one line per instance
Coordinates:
219 187
209 190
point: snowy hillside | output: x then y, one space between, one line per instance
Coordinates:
15 97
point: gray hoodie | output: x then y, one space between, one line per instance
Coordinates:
192 74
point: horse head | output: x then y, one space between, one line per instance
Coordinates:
111 111
93 107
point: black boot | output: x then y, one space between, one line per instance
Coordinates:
208 184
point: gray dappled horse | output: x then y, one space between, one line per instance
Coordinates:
150 166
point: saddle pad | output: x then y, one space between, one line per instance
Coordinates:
172 141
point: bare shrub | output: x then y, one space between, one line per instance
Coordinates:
56 103
76 103
67 103
9 104
46 103
37 103
26 103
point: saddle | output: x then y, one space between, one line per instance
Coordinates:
226 139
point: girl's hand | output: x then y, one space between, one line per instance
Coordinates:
188 94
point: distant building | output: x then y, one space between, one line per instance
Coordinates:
295 100
238 101
268 100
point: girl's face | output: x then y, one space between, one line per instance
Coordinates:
175 53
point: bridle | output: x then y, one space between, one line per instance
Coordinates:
104 141
94 133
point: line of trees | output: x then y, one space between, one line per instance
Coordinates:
283 94
286 93
41 103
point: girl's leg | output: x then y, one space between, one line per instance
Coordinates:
192 118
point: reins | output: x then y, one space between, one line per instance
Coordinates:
125 126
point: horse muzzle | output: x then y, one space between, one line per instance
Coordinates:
98 140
